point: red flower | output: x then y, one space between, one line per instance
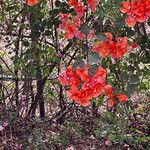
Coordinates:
122 97
115 48
108 90
83 88
81 97
91 4
111 102
125 7
103 47
109 35
130 21
137 11
146 4
101 72
72 3
120 47
79 9
31 2
91 35
71 29
83 73
69 77
134 45
97 90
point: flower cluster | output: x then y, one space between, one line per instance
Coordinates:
137 11
82 87
77 5
108 91
31 2
71 26
91 4
116 48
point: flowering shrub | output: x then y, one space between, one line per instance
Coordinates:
114 47
73 70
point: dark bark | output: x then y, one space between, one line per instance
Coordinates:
39 99
61 100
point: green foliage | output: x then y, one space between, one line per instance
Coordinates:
38 140
94 58
80 64
33 52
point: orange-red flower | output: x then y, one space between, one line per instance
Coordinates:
72 25
108 90
119 48
69 77
83 73
130 21
137 11
91 4
71 31
122 97
103 47
116 48
111 102
31 2
82 87
71 28
134 45
125 7
79 9
72 3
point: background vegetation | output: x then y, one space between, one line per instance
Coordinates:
35 112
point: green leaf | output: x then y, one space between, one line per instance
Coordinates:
85 29
124 76
80 64
148 22
134 79
56 22
101 37
38 140
120 22
131 68
26 43
2 54
132 56
104 63
57 3
94 58
131 89
100 101
54 12
64 7
48 33
92 70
